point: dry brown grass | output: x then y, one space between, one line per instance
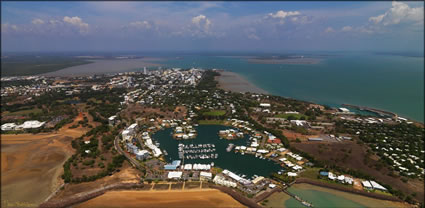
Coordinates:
154 199
331 153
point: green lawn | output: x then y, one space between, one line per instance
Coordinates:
215 113
296 116
211 122
22 112
310 173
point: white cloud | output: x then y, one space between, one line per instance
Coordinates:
377 19
347 28
77 22
399 12
283 14
141 24
329 30
6 28
252 33
202 22
293 16
37 21
253 36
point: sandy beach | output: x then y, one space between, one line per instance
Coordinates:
188 198
105 66
236 83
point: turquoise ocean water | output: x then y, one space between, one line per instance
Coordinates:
388 82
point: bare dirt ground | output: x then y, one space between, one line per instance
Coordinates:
196 198
126 175
32 164
332 153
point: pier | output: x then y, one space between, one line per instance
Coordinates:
305 203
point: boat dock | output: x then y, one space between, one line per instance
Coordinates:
230 147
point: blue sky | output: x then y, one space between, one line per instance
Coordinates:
212 26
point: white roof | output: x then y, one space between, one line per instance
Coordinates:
206 174
8 126
344 109
377 185
292 174
142 152
175 174
366 184
188 167
262 151
31 124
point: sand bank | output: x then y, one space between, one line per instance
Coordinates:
285 61
105 66
186 198
236 83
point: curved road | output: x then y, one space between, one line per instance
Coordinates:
134 162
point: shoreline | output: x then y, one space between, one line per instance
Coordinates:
104 66
236 83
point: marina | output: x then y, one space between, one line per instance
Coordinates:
197 151
243 165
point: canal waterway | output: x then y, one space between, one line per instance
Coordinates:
248 165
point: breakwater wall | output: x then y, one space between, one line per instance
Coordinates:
82 197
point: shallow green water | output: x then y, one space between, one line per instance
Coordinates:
237 163
319 199
388 82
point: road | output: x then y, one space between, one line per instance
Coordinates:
134 162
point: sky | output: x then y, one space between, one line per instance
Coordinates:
212 26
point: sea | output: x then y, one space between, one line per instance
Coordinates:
388 82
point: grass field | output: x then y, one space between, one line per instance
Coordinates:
211 122
287 115
310 173
22 112
215 113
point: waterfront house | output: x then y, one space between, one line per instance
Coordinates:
175 174
205 175
142 154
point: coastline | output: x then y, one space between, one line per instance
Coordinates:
236 83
